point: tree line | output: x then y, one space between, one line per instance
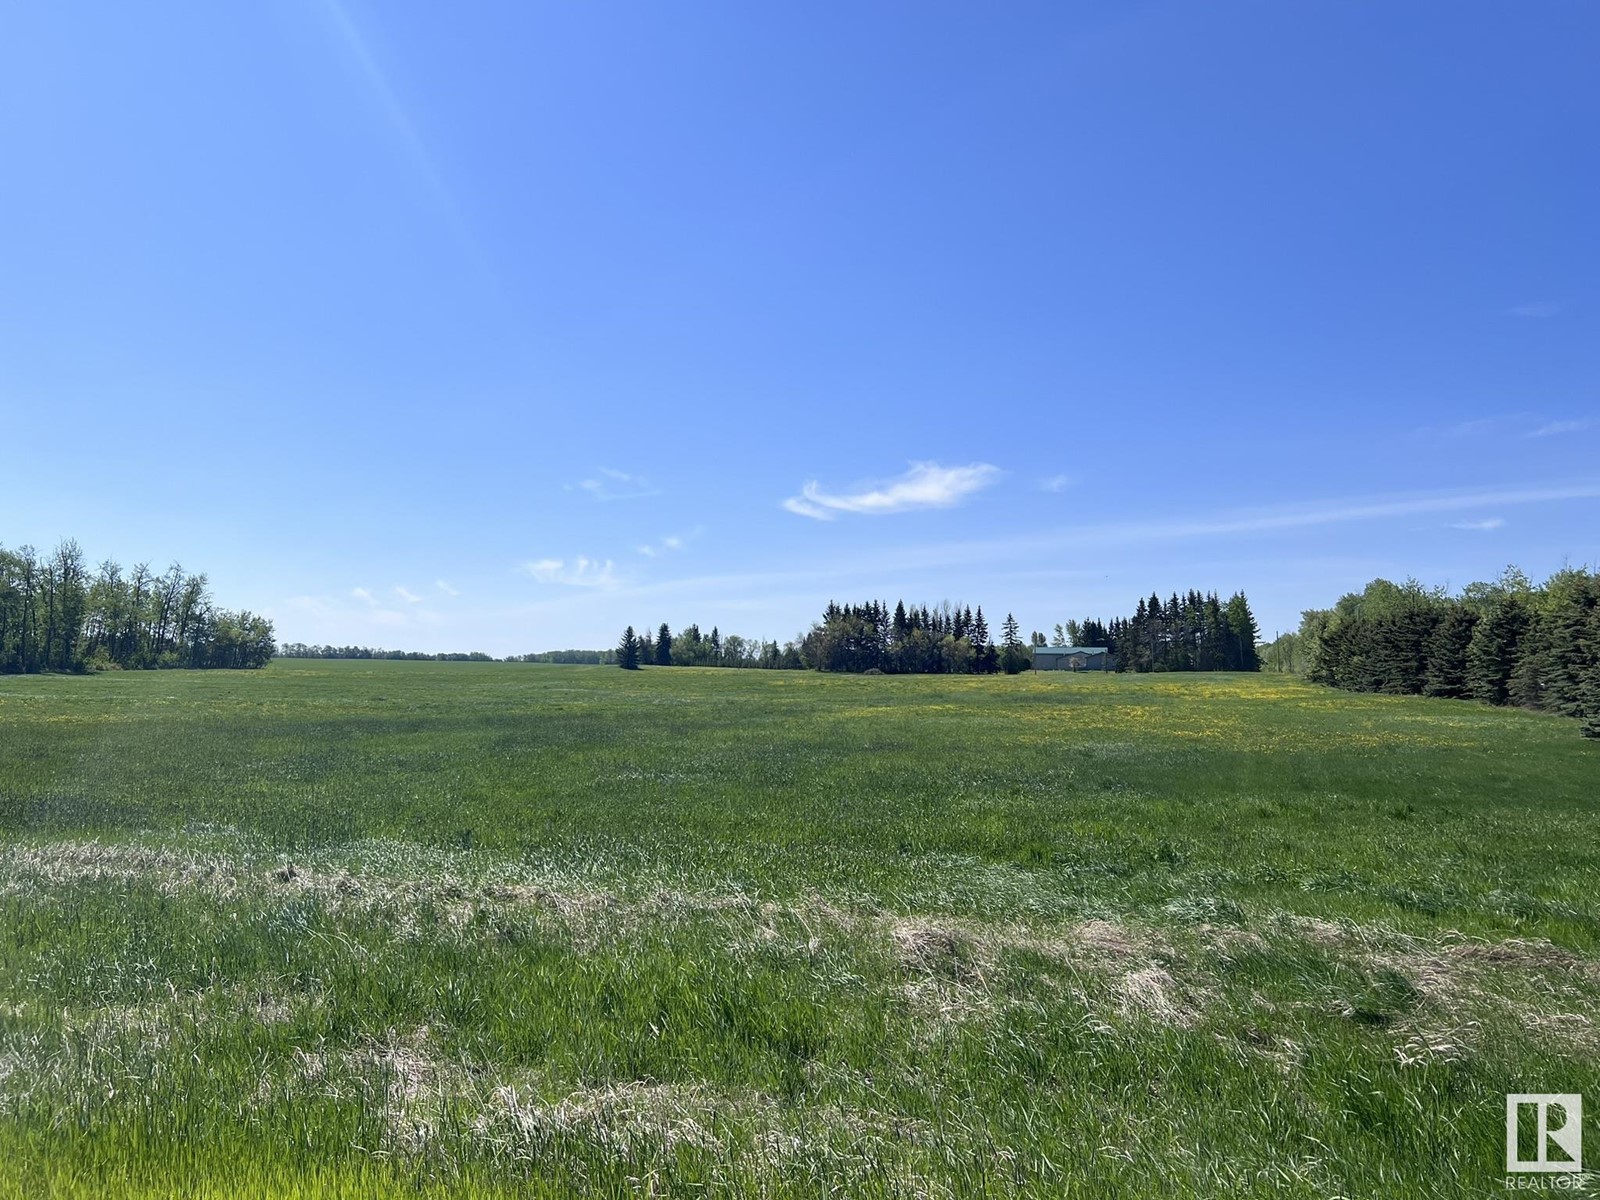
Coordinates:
301 650
58 615
1503 642
588 657
692 648
849 638
945 639
1191 632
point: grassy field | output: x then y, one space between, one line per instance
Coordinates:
348 929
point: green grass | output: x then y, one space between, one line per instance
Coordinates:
352 929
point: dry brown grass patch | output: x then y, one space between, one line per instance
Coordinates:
626 1118
1152 993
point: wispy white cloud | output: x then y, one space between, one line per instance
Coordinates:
805 508
579 572
1505 425
1537 310
608 483
326 618
445 588
387 100
673 541
924 485
1056 483
905 565
407 595
1482 526
1222 525
1475 426
1336 512
1556 428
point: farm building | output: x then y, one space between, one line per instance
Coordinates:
1072 658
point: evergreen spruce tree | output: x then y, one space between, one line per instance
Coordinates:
1400 641
663 646
1570 599
1446 672
1590 676
1492 653
1155 632
1173 651
1213 635
628 651
1134 642
1535 659
986 657
1243 634
1014 656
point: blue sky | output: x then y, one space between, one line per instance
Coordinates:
500 326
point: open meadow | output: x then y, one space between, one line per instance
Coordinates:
341 929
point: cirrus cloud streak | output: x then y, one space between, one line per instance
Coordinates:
578 572
924 485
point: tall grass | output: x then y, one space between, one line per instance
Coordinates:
351 929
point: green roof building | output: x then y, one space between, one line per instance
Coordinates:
1072 658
